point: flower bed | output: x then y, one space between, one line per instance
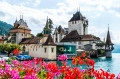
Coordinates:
30 70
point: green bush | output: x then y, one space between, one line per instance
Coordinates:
101 52
8 47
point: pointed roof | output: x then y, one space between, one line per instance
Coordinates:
49 41
60 30
76 16
21 24
108 39
56 30
72 36
47 24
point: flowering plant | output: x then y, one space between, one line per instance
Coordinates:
63 58
16 52
38 69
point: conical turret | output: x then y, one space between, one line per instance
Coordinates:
108 39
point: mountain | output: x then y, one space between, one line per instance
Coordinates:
4 28
116 49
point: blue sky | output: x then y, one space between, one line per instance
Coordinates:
99 13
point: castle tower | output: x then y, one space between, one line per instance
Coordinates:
108 45
47 29
19 31
79 23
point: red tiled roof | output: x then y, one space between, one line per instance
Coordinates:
30 40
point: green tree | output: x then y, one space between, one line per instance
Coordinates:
39 35
50 23
4 28
8 47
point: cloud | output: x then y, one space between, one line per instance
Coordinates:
37 2
98 12
2 13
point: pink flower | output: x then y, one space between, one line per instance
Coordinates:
62 57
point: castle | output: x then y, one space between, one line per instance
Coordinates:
61 41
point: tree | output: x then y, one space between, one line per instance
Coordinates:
8 47
39 35
50 23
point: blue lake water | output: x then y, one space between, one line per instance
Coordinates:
113 64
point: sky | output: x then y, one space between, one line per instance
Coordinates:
99 13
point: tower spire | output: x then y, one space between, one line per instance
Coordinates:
79 8
16 19
47 24
22 16
108 39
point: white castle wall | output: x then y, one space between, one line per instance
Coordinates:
76 26
37 50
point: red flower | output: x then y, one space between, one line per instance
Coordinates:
16 52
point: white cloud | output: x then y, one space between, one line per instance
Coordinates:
36 18
37 2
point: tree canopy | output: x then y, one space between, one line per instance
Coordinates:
8 47
4 28
50 23
39 35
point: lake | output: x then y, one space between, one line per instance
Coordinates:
113 64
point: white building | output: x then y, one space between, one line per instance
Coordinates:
78 33
40 47
79 23
19 31
58 34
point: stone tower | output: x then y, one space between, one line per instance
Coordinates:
47 29
79 23
108 45
19 31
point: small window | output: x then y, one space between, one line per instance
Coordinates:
52 50
45 49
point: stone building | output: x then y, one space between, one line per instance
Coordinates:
81 40
19 31
79 23
78 33
41 47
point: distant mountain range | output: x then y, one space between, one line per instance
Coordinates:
116 49
4 28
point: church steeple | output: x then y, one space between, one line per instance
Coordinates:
47 29
47 23
108 39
